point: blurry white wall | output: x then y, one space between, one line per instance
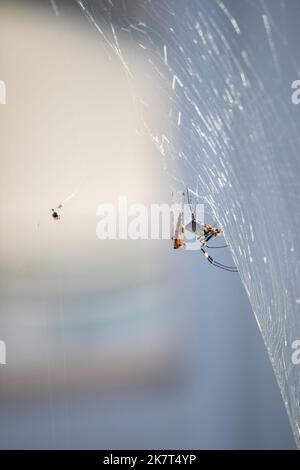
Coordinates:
94 310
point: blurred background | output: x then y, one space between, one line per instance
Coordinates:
115 344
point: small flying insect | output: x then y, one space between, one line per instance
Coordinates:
203 232
56 212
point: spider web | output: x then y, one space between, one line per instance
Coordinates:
229 130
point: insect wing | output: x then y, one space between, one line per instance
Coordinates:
179 237
196 228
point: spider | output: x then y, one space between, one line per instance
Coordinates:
204 233
55 212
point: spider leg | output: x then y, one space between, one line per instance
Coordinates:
222 246
217 264
208 238
205 239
